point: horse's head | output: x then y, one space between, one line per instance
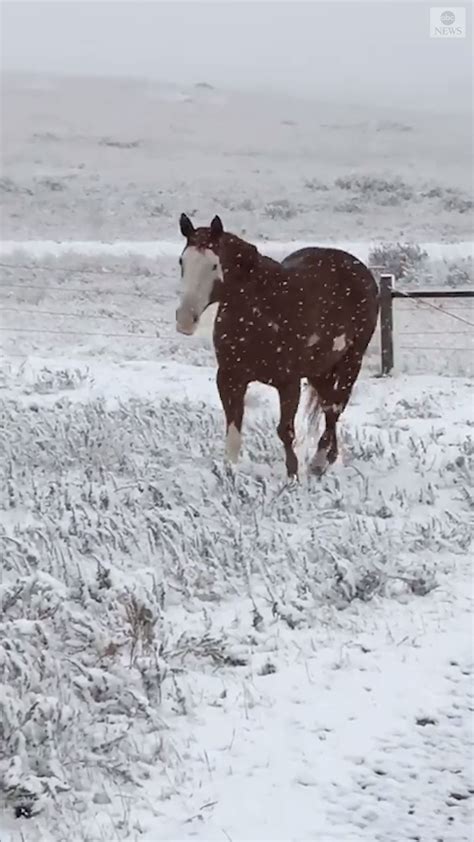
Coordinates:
201 272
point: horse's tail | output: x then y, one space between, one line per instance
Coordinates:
309 421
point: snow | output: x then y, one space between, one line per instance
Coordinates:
90 159
347 602
190 650
330 747
124 308
170 248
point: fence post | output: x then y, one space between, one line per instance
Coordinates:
386 323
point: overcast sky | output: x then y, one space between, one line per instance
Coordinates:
377 52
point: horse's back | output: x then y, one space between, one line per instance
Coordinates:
303 256
325 257
340 280
333 264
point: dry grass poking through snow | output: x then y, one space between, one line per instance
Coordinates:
122 532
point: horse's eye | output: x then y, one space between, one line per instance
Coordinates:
214 268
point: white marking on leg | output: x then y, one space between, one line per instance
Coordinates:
313 340
233 443
339 343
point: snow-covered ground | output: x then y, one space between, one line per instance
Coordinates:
188 652
202 655
193 654
120 304
98 159
173 248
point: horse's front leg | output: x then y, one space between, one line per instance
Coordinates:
232 394
289 401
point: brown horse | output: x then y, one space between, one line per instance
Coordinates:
311 316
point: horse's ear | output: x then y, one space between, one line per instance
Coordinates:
217 228
186 226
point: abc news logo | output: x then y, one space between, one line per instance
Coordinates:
447 23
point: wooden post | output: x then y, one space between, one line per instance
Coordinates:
386 323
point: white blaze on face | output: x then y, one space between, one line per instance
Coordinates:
201 269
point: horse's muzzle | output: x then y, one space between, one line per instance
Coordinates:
186 322
185 330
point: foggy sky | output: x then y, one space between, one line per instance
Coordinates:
378 52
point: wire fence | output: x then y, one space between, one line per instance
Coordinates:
419 300
410 305
428 304
405 306
73 315
32 267
80 290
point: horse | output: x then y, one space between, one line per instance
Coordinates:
310 316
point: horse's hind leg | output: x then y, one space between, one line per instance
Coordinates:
289 400
232 395
334 391
327 450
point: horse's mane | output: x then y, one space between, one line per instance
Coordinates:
244 255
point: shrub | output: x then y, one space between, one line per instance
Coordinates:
7 185
457 203
450 198
315 184
280 209
158 210
52 184
393 126
459 273
348 206
400 259
243 205
433 193
120 144
376 188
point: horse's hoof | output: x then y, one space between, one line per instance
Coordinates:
318 467
290 485
321 462
318 471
